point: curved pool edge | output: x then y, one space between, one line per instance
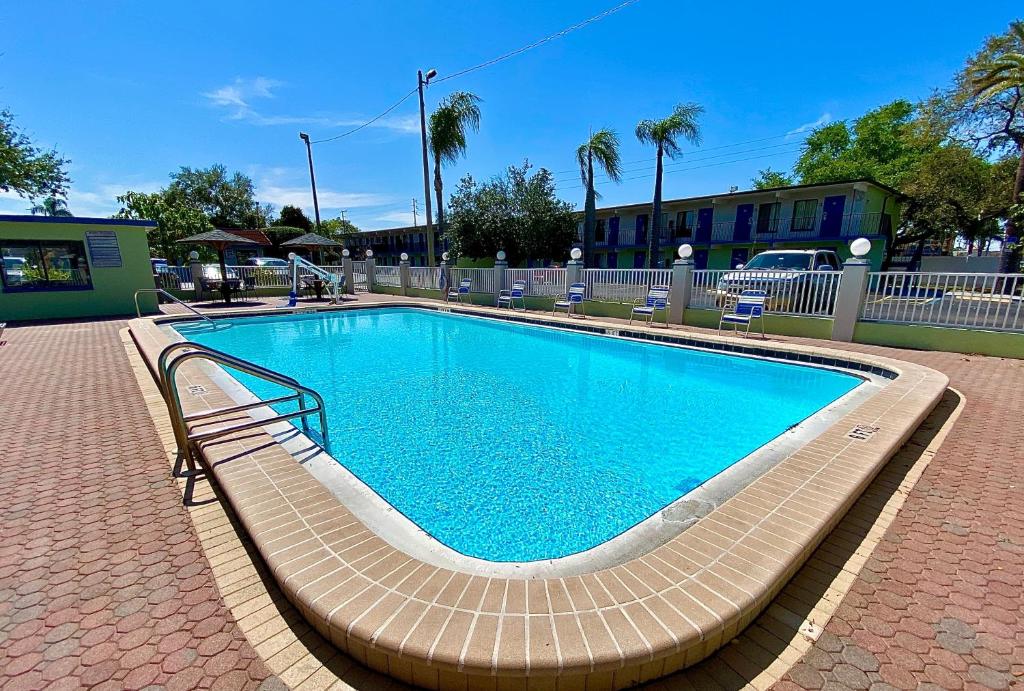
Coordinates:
637 621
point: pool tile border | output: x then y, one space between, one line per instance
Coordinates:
648 617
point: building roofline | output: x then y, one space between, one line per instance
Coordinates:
78 220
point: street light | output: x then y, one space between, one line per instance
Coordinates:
312 178
421 81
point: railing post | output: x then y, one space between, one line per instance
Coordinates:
403 275
850 297
349 273
573 274
499 275
197 276
682 288
444 278
293 272
371 271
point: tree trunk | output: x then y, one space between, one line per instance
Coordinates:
439 194
654 239
1010 259
589 215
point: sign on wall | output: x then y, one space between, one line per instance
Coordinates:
104 251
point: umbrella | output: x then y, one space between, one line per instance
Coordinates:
218 240
312 241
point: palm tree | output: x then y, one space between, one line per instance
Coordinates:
664 134
602 146
51 206
1000 75
449 124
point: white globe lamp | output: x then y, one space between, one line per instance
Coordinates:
404 257
193 255
369 253
345 253
444 257
291 256
576 253
501 255
860 247
685 251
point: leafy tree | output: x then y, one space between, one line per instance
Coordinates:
174 221
767 179
515 212
51 206
449 124
884 145
27 170
228 201
294 217
337 228
664 135
603 146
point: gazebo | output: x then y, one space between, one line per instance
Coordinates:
312 241
219 240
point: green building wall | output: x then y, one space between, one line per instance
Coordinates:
113 289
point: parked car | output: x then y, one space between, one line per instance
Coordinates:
14 270
211 272
272 262
795 280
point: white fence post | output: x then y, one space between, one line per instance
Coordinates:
371 271
403 274
196 269
349 273
680 291
850 298
499 275
573 273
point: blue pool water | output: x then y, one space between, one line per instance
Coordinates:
515 443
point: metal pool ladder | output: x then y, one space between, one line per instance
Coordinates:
170 360
161 291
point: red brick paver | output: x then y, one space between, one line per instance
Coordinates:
102 580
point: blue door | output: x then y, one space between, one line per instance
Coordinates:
832 216
613 257
739 256
704 219
700 259
744 217
641 229
638 260
613 232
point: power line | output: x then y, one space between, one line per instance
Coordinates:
368 122
546 39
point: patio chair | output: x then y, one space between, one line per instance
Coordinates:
463 289
657 299
509 296
572 298
749 305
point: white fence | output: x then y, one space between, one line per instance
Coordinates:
984 301
623 285
801 293
482 279
359 276
387 276
424 277
539 282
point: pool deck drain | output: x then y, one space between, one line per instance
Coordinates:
784 610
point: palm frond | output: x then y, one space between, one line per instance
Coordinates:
449 124
666 133
604 145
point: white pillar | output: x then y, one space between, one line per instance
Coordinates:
682 288
196 269
850 298
349 274
499 275
371 273
573 273
447 282
403 276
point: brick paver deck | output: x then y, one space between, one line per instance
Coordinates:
102 581
93 538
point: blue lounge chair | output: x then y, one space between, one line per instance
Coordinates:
749 306
510 295
657 299
572 298
463 289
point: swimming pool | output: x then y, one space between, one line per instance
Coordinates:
509 442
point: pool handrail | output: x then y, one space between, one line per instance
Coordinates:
167 367
161 291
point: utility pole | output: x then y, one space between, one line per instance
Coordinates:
312 178
343 212
414 217
421 82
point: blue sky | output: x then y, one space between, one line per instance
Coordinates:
131 91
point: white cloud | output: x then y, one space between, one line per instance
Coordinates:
399 218
329 199
236 101
824 119
98 201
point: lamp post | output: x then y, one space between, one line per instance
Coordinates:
422 80
312 178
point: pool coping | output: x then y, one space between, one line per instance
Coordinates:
609 629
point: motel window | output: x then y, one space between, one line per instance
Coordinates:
768 217
30 265
599 230
804 211
685 223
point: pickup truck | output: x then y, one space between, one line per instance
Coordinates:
795 280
